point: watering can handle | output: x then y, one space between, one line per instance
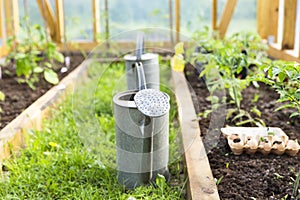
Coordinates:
140 76
139 46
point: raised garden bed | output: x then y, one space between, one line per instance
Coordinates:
20 96
248 176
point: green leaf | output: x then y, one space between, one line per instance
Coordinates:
255 98
213 99
160 181
255 84
284 106
275 71
294 114
259 122
281 76
244 122
58 57
23 67
240 115
230 112
51 76
297 94
38 70
47 64
256 111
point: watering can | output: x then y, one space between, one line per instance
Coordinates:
150 64
142 133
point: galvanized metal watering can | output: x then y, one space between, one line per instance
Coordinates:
142 133
150 65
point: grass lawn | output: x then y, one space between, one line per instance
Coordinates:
59 163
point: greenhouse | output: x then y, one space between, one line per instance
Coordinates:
172 99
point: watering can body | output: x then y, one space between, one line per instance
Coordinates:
151 68
134 134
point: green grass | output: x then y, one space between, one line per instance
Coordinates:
59 163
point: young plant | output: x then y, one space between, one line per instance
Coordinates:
296 191
284 77
228 62
26 54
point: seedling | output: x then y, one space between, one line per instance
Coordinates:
296 186
218 181
227 165
277 176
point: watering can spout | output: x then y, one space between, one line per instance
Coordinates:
140 76
141 79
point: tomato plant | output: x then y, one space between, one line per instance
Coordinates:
284 77
229 65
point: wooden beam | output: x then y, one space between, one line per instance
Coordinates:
267 18
214 14
201 184
59 21
273 19
297 37
11 17
48 15
289 24
171 21
2 34
226 17
96 17
123 47
177 13
274 51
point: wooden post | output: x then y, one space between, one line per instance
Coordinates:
96 17
48 15
177 13
298 23
11 17
267 18
289 24
171 21
214 14
59 21
2 35
106 24
226 17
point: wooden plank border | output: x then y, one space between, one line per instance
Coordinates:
12 136
201 184
275 52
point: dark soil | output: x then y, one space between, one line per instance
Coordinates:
19 96
248 176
